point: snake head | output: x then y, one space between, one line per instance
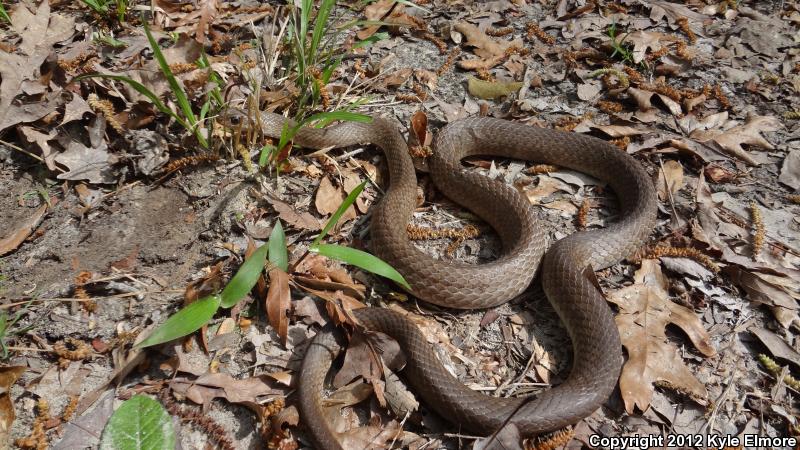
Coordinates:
235 118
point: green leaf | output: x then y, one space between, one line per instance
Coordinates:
245 278
361 259
321 23
98 7
351 198
371 40
278 255
142 89
139 423
175 87
184 322
336 115
4 14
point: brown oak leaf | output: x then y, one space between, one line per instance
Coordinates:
645 311
730 140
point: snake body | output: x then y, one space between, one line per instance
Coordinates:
597 356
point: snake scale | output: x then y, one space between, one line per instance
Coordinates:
597 356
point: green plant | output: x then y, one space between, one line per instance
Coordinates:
139 423
192 317
6 327
186 118
619 46
4 14
102 7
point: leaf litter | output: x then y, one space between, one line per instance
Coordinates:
703 93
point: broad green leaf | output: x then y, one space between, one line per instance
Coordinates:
139 423
245 278
184 322
351 198
278 255
361 259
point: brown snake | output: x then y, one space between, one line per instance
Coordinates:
597 356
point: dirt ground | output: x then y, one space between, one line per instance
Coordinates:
112 220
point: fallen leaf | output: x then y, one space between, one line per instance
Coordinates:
8 376
484 46
776 345
730 141
508 438
39 31
646 40
491 89
213 385
87 163
763 292
24 229
375 436
790 171
279 303
329 198
399 399
289 214
362 360
670 179
645 311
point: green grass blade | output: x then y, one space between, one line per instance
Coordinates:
326 117
184 322
321 24
175 87
142 89
361 259
4 14
245 278
278 254
139 423
98 7
351 198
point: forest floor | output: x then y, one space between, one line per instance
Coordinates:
115 215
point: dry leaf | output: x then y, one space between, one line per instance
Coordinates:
762 291
39 31
360 360
484 46
790 171
329 198
670 179
645 311
88 163
508 438
289 214
24 229
646 40
399 399
375 436
222 385
776 345
279 302
730 141
8 376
